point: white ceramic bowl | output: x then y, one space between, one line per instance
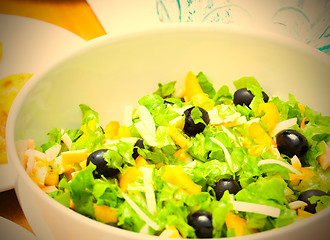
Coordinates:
110 73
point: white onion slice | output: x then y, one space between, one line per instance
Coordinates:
138 210
149 189
284 125
256 208
227 155
274 161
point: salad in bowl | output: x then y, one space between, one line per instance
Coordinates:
190 161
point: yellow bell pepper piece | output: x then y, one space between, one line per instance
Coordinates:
123 131
202 100
260 137
324 159
306 174
71 157
182 155
105 214
83 164
192 87
178 137
238 224
258 133
271 117
175 175
140 161
170 232
301 214
111 130
51 179
88 127
129 175
301 108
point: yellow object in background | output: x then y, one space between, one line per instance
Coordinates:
9 88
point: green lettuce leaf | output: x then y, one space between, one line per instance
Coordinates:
196 116
266 191
219 211
321 202
259 192
129 219
208 173
246 82
223 96
94 136
82 191
206 85
165 90
106 193
62 195
152 102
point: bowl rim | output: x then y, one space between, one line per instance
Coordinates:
106 39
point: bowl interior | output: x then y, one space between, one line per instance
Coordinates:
111 73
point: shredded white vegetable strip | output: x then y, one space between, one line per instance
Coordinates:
297 204
230 135
143 131
175 120
144 216
180 111
67 140
274 161
214 117
146 127
256 208
227 155
149 189
147 120
284 125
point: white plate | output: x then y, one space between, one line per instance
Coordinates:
29 44
11 231
124 16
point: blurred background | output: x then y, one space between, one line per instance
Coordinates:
304 20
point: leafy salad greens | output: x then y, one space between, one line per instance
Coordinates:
191 162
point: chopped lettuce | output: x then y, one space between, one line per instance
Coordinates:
82 191
225 149
166 90
206 85
321 202
92 137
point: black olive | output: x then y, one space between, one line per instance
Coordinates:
101 165
201 221
304 196
190 127
226 184
243 96
291 142
139 144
